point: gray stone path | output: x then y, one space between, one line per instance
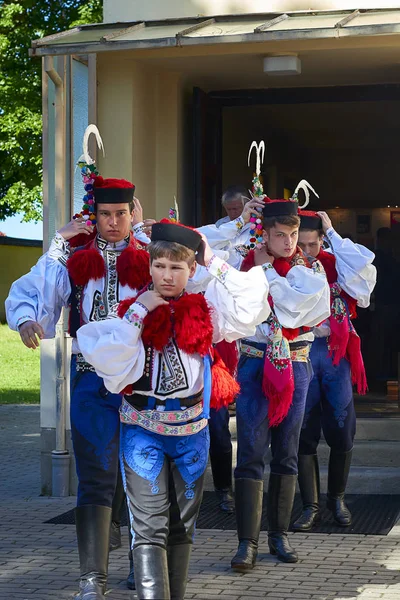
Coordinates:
40 561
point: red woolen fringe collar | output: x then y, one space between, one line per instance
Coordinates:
132 265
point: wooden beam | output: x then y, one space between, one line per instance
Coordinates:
269 24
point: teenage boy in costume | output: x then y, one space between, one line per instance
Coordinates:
90 280
159 355
337 364
274 373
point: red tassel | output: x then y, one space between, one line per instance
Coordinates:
224 388
228 351
354 356
192 324
84 265
279 402
248 262
133 268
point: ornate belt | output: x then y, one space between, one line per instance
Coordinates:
164 422
82 366
297 354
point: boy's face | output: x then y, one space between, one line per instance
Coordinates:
281 240
113 221
310 242
170 277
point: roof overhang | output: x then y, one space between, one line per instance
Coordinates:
232 29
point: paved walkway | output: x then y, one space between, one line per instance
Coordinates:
40 561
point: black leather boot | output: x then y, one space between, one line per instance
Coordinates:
249 499
338 473
178 569
151 569
281 490
93 533
309 489
221 467
118 506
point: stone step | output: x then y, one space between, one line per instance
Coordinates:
374 429
362 480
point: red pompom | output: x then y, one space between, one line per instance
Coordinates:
133 268
224 388
248 262
84 265
193 326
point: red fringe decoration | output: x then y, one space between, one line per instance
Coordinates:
82 239
85 264
354 356
279 401
157 328
133 268
224 388
192 324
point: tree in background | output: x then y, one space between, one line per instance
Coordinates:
20 95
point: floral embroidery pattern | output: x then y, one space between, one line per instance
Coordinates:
239 224
134 417
133 317
173 416
189 494
222 272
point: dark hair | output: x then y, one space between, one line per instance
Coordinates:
171 250
232 192
289 220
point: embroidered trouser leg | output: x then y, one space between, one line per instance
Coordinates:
253 432
164 477
95 437
330 404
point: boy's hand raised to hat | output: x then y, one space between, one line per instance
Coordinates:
151 300
326 222
75 227
30 331
204 253
137 213
252 206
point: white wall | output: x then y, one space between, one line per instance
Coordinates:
136 10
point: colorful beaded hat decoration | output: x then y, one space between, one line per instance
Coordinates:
256 192
89 172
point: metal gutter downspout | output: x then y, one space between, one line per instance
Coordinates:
60 457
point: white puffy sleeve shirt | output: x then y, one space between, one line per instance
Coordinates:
42 293
238 303
356 273
301 299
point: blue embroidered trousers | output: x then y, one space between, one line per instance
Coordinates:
330 404
95 429
163 478
253 432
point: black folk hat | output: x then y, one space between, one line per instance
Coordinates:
172 232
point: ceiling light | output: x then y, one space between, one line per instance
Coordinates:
282 65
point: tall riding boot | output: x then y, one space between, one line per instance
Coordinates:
117 507
178 569
151 569
93 533
281 492
249 499
338 473
221 467
309 490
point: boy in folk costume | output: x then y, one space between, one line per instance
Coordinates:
159 355
90 280
274 373
337 363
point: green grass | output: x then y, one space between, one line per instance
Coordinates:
19 370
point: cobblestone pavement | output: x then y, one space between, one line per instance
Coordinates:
40 561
